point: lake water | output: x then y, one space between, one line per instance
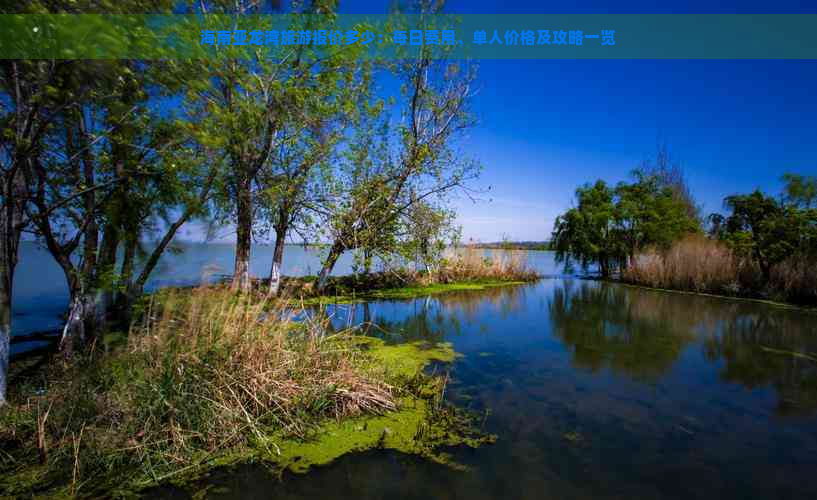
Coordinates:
595 391
40 295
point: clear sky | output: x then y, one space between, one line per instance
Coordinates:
547 126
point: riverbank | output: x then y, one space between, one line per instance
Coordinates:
299 291
210 379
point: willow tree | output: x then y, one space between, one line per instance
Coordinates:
609 225
585 233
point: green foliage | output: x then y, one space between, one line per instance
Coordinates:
213 379
769 231
801 190
610 225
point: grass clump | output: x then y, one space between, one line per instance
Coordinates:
207 378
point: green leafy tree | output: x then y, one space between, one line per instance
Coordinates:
769 231
760 227
609 226
418 163
648 212
801 190
585 234
326 102
427 231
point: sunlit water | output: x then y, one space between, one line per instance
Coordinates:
595 391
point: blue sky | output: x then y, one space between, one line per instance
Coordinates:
547 126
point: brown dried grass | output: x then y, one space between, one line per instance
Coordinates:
700 264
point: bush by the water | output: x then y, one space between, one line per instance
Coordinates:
701 264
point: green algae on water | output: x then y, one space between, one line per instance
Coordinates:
404 293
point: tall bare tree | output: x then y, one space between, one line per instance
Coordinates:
422 164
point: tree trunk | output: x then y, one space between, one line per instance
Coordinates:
124 301
277 261
150 264
74 332
604 264
241 273
105 269
367 261
12 199
329 264
5 339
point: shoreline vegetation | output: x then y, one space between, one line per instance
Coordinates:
466 268
206 378
650 232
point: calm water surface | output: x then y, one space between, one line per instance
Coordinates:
595 391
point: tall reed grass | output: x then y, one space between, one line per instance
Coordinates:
700 264
694 263
474 264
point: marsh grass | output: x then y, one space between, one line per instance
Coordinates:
694 264
204 373
700 264
474 264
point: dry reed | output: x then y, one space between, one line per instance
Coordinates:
700 264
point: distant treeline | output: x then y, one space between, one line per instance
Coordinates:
514 245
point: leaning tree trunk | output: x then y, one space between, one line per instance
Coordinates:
277 261
106 266
329 264
241 273
7 260
81 323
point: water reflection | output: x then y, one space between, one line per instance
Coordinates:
597 391
431 318
769 349
637 334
